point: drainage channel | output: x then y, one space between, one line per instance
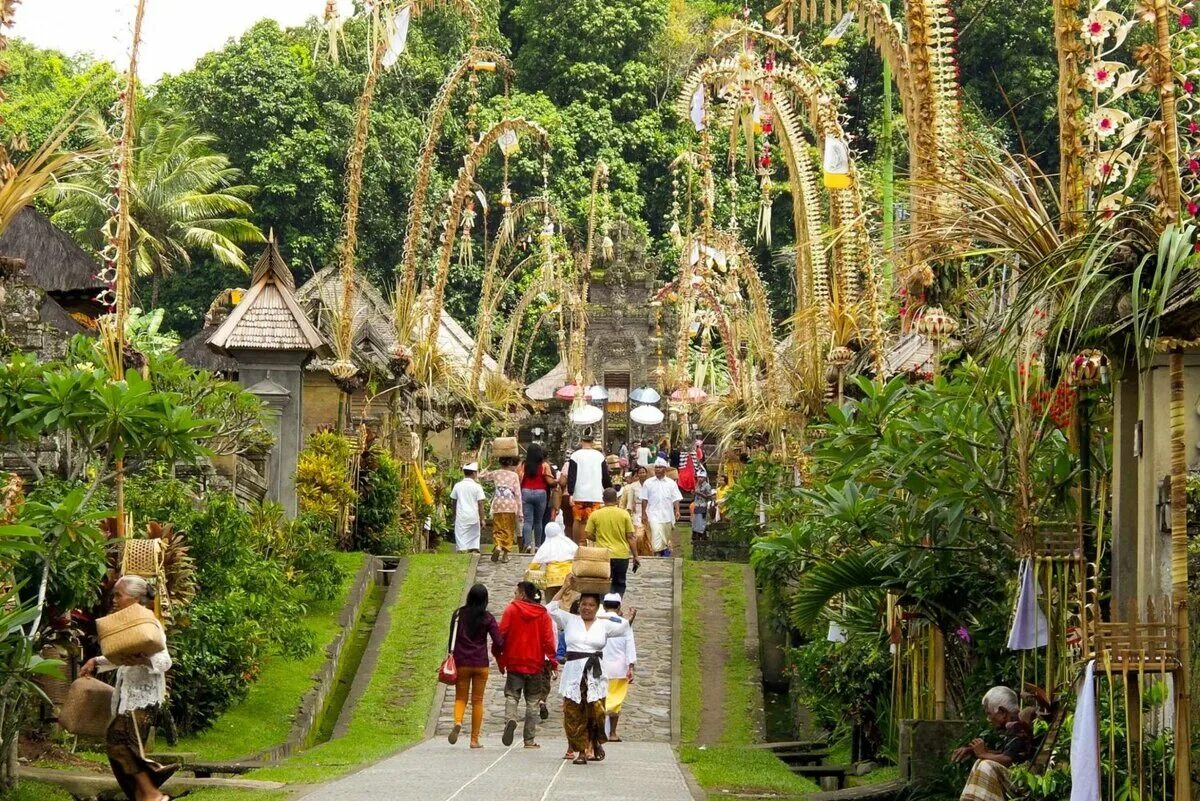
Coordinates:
349 664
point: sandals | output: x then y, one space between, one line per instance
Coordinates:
509 728
579 760
532 745
495 555
598 753
454 733
569 755
543 711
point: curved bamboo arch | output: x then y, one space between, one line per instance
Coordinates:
724 322
462 189
437 113
757 310
517 317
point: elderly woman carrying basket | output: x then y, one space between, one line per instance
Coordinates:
141 689
581 681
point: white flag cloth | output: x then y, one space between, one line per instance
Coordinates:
397 37
836 633
698 108
1085 741
1029 628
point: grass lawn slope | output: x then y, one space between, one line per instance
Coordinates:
729 766
265 717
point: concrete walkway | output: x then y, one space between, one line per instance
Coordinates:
438 771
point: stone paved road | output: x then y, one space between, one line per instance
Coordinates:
647 715
437 771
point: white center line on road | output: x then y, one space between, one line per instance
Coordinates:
480 774
550 786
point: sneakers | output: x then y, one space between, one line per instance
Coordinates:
510 728
454 733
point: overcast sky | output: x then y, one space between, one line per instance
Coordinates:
174 33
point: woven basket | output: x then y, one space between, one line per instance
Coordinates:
56 689
536 577
142 558
87 710
592 563
504 446
129 633
592 586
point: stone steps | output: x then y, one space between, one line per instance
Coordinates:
647 712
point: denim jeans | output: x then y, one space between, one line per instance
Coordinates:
534 530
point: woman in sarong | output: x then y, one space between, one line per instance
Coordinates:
140 692
581 680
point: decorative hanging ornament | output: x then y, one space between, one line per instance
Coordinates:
397 34
837 164
936 324
840 356
697 109
508 143
1088 369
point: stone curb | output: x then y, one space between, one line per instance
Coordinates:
751 644
439 696
676 649
370 657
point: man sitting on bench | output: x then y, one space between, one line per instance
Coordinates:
988 780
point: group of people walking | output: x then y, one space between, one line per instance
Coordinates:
588 645
531 493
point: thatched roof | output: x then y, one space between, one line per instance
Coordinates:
543 388
195 351
53 262
268 317
374 334
50 311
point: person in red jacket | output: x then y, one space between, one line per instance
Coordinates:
529 644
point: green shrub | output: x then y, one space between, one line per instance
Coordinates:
378 493
254 571
323 484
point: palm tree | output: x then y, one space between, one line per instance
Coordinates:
186 198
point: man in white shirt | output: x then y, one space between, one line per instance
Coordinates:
620 654
468 496
587 478
644 455
660 508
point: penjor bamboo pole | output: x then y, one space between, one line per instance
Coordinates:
124 267
887 180
1179 580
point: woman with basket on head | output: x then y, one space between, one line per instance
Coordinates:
581 678
141 689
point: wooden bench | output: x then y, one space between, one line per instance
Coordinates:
839 773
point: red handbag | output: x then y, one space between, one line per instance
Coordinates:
448 671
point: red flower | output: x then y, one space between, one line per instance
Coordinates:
1193 208
1189 87
1185 19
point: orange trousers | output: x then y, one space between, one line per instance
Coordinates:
471 683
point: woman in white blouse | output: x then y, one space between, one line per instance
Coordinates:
581 681
140 689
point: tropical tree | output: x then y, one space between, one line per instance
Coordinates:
186 196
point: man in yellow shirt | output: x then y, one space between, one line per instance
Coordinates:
611 527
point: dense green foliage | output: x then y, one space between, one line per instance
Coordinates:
253 582
909 490
378 506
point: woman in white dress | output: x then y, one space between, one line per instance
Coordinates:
141 690
581 680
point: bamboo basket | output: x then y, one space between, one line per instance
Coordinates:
131 632
142 558
592 563
87 710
